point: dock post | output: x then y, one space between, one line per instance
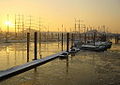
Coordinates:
62 42
67 42
94 38
28 45
85 38
116 39
58 39
72 40
79 37
35 46
40 45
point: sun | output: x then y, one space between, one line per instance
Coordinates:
8 23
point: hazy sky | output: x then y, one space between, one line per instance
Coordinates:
58 12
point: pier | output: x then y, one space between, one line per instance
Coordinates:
28 66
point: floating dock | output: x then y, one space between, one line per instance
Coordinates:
28 66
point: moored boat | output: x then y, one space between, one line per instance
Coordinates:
93 48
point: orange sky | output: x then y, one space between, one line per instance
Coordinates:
54 13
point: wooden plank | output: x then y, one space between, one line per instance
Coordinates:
25 67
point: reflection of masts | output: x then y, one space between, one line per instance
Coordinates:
67 65
7 53
15 53
7 33
23 50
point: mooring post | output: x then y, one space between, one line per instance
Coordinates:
79 37
116 39
35 46
67 42
94 38
40 45
28 45
62 42
72 40
85 38
58 39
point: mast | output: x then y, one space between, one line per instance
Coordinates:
29 24
75 25
15 27
23 26
7 33
79 29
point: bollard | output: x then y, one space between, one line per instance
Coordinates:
35 46
28 45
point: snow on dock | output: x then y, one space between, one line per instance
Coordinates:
25 67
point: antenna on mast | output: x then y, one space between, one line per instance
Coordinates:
75 25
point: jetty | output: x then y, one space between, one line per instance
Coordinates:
28 66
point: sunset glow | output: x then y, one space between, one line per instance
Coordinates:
54 13
8 23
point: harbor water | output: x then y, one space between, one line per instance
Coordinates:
85 68
14 54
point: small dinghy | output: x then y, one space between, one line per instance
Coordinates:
64 55
74 50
